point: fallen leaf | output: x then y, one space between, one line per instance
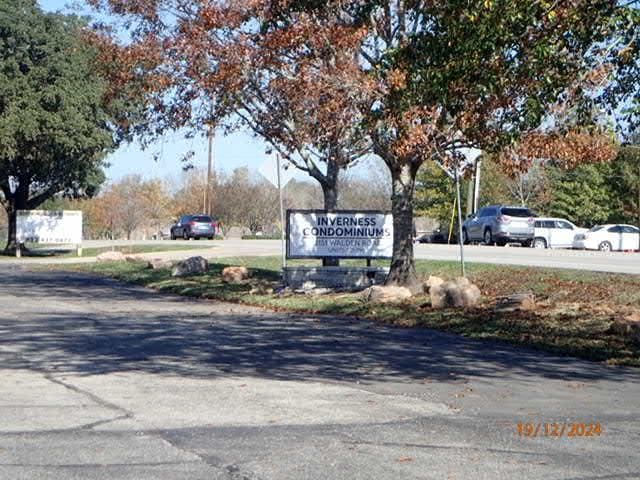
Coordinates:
404 459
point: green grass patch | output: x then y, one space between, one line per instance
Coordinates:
574 315
66 251
261 237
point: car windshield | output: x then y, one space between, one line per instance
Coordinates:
596 228
202 219
517 212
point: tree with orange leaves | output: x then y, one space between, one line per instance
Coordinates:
415 81
212 62
516 78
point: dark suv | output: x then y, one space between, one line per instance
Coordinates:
194 226
500 224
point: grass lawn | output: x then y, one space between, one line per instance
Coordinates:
573 316
66 251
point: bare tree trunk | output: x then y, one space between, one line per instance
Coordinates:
403 270
14 202
11 233
330 196
330 193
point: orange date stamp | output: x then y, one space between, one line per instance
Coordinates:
559 430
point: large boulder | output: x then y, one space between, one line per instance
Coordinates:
517 301
190 266
432 281
454 293
386 294
471 295
235 274
112 256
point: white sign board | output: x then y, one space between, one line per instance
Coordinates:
42 226
340 234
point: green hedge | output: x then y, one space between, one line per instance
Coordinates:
261 237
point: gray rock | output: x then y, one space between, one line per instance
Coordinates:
134 258
517 301
432 281
454 293
235 274
471 295
386 294
190 266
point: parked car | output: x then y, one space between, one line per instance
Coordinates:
609 237
555 233
436 237
194 226
499 224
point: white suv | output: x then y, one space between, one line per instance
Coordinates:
555 233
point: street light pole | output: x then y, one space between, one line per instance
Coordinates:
460 239
282 224
476 187
207 188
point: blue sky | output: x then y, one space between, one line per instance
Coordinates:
236 150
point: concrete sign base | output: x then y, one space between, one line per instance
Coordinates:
352 278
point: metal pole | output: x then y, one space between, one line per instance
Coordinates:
284 254
460 241
453 216
470 197
207 200
476 187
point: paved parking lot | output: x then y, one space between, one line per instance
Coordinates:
106 381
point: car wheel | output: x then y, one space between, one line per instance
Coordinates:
501 243
173 237
604 247
488 238
209 238
539 243
185 235
465 236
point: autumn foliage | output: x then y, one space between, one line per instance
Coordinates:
225 63
328 82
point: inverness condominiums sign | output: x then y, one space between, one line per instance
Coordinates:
342 234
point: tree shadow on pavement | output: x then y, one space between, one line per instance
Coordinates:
119 328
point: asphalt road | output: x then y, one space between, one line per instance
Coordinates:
616 262
105 381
